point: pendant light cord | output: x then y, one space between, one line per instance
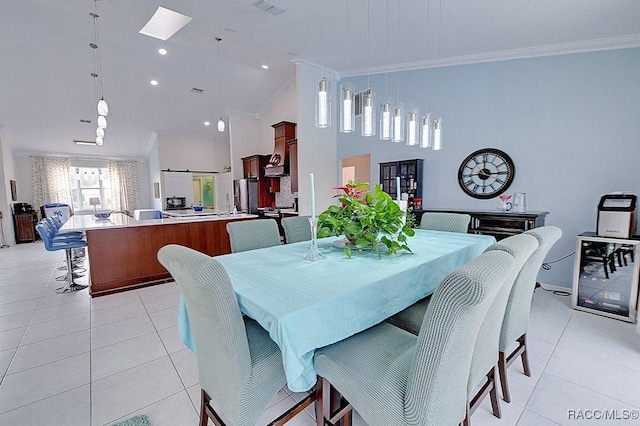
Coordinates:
96 53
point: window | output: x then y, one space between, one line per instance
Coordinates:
90 182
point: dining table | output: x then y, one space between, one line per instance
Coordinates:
305 305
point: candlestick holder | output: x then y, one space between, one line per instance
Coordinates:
314 254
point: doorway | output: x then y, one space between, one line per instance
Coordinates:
356 168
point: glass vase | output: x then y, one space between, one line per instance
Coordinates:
313 254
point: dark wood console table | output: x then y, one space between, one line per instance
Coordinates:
496 223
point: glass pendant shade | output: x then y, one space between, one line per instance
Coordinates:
412 129
323 103
100 132
425 131
102 122
103 108
398 124
385 120
99 140
221 125
368 114
347 113
437 134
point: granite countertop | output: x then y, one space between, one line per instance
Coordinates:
120 220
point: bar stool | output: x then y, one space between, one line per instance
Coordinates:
67 245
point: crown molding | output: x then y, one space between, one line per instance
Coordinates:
612 43
275 97
324 70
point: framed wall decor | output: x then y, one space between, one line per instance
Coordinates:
14 192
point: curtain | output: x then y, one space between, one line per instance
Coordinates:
125 192
51 181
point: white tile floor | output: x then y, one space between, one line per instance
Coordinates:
71 360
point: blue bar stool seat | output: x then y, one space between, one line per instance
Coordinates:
67 245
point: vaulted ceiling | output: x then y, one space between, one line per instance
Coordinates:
45 66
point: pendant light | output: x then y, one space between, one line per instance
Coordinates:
412 122
347 115
386 107
221 124
102 106
437 134
322 87
368 101
398 124
368 114
412 129
437 124
347 92
425 131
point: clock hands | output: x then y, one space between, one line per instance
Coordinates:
485 173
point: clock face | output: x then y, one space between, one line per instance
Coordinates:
486 173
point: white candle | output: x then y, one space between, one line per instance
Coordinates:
313 196
398 187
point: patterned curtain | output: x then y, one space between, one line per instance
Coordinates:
51 181
125 192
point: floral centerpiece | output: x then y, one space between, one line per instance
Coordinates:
369 220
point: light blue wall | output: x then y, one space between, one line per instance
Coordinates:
571 123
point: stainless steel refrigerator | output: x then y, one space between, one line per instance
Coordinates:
245 193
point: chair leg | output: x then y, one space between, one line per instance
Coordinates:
204 401
493 394
525 357
330 398
502 370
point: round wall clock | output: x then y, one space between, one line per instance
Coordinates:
486 173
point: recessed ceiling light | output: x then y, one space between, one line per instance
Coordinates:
154 82
207 123
164 23
265 67
162 51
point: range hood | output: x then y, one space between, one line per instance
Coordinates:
279 162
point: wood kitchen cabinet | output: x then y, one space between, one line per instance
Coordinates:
293 164
253 167
24 227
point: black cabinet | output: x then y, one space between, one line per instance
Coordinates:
496 223
410 173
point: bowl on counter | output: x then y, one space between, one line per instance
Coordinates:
198 208
103 215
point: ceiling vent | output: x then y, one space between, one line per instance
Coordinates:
82 120
268 7
196 90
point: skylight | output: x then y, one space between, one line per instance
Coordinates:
164 24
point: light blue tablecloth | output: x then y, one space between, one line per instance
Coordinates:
307 305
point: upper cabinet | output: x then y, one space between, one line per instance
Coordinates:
293 163
279 161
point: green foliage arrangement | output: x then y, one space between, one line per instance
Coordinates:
369 220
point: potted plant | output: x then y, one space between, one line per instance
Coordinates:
367 219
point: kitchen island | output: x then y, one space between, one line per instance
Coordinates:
122 251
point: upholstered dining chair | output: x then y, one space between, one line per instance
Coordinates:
485 354
296 229
253 234
516 317
392 377
239 366
410 318
450 222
